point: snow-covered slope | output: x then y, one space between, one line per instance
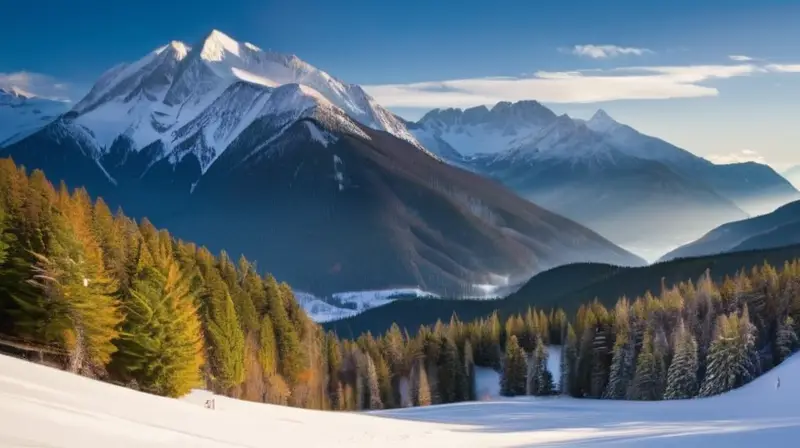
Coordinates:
199 98
480 130
47 407
345 304
22 114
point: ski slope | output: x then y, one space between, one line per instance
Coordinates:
43 407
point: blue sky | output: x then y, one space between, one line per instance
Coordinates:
663 67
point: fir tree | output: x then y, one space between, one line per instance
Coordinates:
569 357
515 370
682 375
540 380
644 385
423 395
268 350
227 342
732 358
290 354
373 387
622 368
451 375
786 341
161 347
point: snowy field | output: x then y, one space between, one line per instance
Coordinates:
43 407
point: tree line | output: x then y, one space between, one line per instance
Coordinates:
121 301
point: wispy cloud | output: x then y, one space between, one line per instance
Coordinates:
582 86
37 84
740 58
745 155
606 51
784 68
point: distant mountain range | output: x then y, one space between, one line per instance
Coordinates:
260 153
22 113
779 228
793 175
637 190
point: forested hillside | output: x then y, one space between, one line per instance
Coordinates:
566 287
103 296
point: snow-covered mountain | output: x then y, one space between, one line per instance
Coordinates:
639 191
262 154
22 113
197 99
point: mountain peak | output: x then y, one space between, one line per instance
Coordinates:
602 122
15 92
216 44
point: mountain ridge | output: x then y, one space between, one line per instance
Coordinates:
264 155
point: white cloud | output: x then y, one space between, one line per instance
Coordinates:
745 155
606 51
784 68
586 86
36 84
740 58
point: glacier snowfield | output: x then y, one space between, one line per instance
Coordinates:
44 407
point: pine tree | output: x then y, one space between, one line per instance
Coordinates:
622 368
450 373
644 385
469 370
226 341
268 350
682 375
515 369
373 387
569 355
732 357
540 380
423 395
289 351
161 347
786 340
81 295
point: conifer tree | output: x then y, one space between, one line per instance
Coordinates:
423 395
268 349
682 375
161 347
451 375
569 355
373 388
732 357
291 361
469 370
81 293
540 380
227 341
786 340
515 370
622 368
644 381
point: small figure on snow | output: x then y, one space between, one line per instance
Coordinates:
778 384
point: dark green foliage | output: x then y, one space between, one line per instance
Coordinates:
645 386
512 381
565 287
682 375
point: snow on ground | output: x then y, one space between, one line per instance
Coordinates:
487 381
345 304
44 407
